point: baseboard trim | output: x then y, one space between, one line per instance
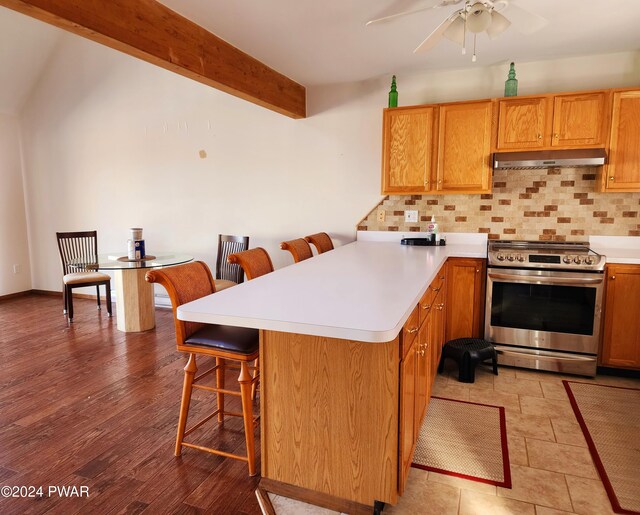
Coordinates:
298 493
51 293
15 295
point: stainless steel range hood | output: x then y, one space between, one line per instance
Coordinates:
549 158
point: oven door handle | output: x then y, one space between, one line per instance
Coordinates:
573 281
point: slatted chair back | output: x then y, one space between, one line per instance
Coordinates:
184 283
299 248
321 241
254 262
228 245
78 251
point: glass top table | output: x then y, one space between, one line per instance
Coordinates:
135 299
115 261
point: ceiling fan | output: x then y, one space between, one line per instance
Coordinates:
476 16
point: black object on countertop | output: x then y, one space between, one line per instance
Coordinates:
422 242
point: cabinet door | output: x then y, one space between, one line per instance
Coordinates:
465 298
407 413
464 148
621 342
438 338
524 123
579 119
407 158
623 171
423 370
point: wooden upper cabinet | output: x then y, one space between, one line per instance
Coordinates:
621 341
464 148
580 119
524 123
407 153
623 171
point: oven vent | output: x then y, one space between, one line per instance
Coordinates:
534 160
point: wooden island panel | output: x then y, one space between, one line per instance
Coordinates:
329 416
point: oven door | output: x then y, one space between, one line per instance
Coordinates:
544 309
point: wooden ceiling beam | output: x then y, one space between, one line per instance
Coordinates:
151 31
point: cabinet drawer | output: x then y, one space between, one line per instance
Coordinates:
410 331
436 286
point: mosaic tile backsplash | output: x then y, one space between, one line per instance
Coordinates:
558 204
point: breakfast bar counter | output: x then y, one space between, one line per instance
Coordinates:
330 365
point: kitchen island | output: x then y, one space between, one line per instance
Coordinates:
330 363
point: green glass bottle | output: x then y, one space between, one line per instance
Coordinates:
393 93
511 84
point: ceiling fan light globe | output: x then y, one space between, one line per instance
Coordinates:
498 25
478 18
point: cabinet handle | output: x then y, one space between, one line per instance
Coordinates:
556 135
611 178
612 277
435 289
539 136
477 270
442 277
412 330
426 306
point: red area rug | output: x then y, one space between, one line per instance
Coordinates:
610 420
464 439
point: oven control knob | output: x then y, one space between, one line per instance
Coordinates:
510 257
566 259
521 258
577 260
589 260
500 257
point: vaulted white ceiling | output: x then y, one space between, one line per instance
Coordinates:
25 46
316 42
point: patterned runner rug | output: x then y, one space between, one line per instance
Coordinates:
610 420
464 439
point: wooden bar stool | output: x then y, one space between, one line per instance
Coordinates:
300 249
189 282
254 262
321 241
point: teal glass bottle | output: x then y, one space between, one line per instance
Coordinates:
393 93
511 84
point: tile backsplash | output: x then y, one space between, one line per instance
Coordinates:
556 204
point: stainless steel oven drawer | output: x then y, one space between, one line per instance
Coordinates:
547 360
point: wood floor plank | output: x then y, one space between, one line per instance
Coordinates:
87 405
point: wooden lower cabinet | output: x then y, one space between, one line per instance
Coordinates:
465 298
621 341
418 368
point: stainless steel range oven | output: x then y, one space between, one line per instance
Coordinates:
544 304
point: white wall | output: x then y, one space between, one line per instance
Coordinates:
112 142
14 248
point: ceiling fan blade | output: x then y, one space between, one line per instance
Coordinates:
434 38
524 21
398 15
498 25
442 3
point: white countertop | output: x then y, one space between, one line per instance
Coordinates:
617 249
362 291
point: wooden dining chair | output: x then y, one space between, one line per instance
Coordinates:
229 274
238 345
254 262
299 249
321 241
79 257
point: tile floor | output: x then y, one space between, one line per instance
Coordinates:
552 471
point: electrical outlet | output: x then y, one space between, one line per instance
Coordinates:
16 269
382 214
410 216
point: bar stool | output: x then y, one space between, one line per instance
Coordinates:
192 281
321 241
300 249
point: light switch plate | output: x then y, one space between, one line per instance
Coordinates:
411 216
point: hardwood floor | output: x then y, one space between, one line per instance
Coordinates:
87 405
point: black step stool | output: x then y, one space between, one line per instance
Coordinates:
467 353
